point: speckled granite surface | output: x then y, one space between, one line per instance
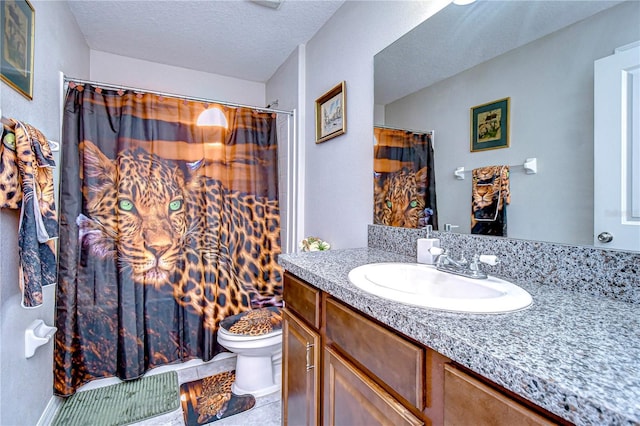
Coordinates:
608 273
573 353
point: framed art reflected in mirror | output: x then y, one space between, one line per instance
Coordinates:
331 113
490 125
17 25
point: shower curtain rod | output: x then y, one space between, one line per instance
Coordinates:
431 132
172 95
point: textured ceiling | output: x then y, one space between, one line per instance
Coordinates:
233 38
460 37
241 39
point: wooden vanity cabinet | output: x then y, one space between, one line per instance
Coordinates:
341 367
301 354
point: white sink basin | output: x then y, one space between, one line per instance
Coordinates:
423 285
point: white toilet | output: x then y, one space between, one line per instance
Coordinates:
256 338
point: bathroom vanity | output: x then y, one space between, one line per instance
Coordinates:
350 357
344 367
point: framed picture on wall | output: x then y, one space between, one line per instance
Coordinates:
331 113
18 27
490 125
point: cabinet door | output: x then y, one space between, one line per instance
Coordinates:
468 401
373 346
351 398
300 372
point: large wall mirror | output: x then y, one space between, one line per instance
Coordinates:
540 55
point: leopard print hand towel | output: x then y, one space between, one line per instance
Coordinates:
26 180
489 198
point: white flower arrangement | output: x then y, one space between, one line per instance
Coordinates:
314 244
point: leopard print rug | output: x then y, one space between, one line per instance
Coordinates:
210 399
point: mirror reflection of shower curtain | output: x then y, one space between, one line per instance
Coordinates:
166 229
404 179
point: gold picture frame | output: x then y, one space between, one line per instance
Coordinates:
331 113
17 24
490 125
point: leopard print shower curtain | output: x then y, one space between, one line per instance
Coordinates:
166 228
404 179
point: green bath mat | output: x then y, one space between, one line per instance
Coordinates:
123 403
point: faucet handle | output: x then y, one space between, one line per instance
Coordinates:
442 255
437 251
489 259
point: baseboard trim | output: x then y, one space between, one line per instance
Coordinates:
50 411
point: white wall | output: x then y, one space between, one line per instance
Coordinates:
26 385
339 182
550 83
137 73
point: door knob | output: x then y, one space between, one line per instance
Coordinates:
605 237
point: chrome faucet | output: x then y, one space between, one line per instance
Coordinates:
461 266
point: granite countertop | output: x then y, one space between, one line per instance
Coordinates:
574 354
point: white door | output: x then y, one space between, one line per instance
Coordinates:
617 150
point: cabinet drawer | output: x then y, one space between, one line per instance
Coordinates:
469 401
303 299
351 398
397 362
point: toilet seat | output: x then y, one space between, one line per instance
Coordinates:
255 324
242 337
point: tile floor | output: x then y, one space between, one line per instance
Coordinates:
266 412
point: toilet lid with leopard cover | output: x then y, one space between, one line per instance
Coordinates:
255 322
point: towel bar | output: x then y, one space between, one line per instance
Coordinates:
530 167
